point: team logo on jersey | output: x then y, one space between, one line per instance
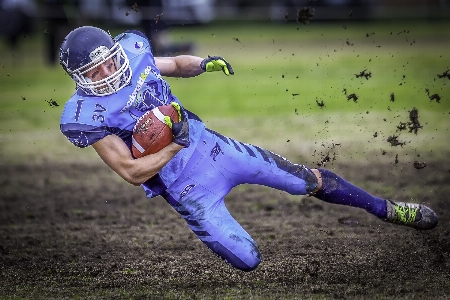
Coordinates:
186 190
132 100
215 151
80 141
138 45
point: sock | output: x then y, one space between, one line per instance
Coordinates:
339 191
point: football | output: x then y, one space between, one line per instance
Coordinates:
151 134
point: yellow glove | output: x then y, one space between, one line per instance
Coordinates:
216 63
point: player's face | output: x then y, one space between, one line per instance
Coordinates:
102 71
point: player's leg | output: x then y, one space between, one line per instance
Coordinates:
259 166
197 195
243 163
334 189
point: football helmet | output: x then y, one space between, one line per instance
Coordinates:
87 47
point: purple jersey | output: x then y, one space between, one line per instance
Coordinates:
87 119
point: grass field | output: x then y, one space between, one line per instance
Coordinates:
282 72
71 228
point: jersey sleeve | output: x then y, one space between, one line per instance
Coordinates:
80 129
83 135
135 43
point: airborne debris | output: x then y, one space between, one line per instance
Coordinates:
132 8
325 156
320 103
392 97
433 97
348 43
396 159
304 15
237 40
157 17
364 74
353 97
375 134
404 31
413 124
23 98
52 103
369 34
393 140
419 165
446 74
350 14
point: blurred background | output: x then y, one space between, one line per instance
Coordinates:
20 19
295 65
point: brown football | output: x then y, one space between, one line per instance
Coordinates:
151 134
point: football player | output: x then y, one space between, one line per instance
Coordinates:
118 80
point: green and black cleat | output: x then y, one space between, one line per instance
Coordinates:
411 214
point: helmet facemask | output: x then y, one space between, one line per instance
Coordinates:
110 84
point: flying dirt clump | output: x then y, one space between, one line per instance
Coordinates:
419 165
413 125
328 155
433 97
365 74
352 96
320 103
304 15
132 8
445 74
392 97
393 140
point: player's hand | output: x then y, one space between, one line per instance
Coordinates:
216 63
180 130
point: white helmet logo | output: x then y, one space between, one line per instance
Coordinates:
99 52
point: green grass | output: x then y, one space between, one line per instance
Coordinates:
280 71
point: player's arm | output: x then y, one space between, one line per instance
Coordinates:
115 153
179 66
190 66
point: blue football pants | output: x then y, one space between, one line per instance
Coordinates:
218 164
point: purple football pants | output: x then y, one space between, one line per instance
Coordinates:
218 164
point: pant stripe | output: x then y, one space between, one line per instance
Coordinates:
201 233
185 214
249 151
236 145
218 135
263 154
192 223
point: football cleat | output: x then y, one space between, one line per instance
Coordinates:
411 214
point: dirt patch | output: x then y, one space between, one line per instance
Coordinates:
79 231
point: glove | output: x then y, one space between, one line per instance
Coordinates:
216 63
180 130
